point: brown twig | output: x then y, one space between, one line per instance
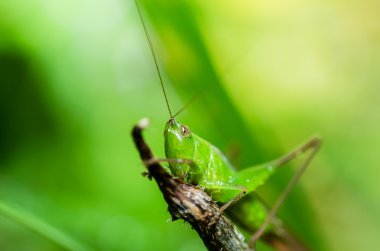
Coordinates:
190 203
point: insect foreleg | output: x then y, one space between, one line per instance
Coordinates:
313 145
178 161
193 168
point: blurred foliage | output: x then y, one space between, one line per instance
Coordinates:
77 75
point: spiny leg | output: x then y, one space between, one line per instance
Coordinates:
170 160
222 189
313 145
190 162
233 200
178 161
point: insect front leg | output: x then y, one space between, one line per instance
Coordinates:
193 168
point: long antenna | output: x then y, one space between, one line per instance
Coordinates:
188 103
155 59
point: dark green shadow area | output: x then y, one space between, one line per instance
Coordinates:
24 116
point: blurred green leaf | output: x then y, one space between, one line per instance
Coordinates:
76 76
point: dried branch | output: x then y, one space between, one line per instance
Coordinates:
190 203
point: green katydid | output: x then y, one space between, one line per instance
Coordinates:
196 161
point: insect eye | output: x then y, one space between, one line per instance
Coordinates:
185 131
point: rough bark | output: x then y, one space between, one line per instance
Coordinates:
190 203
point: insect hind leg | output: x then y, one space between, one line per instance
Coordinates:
313 145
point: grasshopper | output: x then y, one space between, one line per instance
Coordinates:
196 161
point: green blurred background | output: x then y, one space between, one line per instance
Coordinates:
77 75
